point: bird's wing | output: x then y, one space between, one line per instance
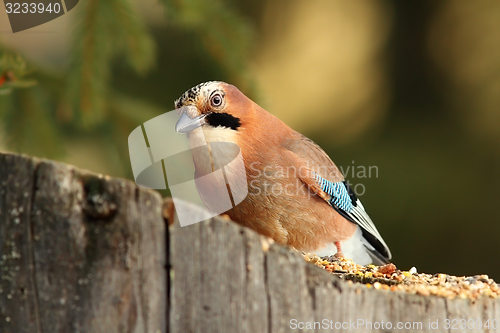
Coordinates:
313 157
345 202
327 181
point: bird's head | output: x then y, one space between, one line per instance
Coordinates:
212 105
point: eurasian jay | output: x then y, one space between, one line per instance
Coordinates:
296 194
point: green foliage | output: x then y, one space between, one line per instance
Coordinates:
40 111
26 112
227 37
30 127
108 28
13 70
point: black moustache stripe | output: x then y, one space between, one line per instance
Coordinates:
224 120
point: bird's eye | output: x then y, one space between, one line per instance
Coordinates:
216 100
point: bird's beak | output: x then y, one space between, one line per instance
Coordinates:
189 119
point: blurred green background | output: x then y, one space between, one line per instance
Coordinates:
410 87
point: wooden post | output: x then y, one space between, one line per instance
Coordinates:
225 278
78 252
85 253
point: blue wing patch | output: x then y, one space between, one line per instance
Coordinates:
344 201
339 195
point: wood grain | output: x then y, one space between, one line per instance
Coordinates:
79 252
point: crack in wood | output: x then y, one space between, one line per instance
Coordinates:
31 250
268 294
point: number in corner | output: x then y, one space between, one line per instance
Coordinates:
32 8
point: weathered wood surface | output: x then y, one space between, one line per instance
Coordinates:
83 253
78 252
224 280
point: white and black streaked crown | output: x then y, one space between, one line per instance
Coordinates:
190 96
214 119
